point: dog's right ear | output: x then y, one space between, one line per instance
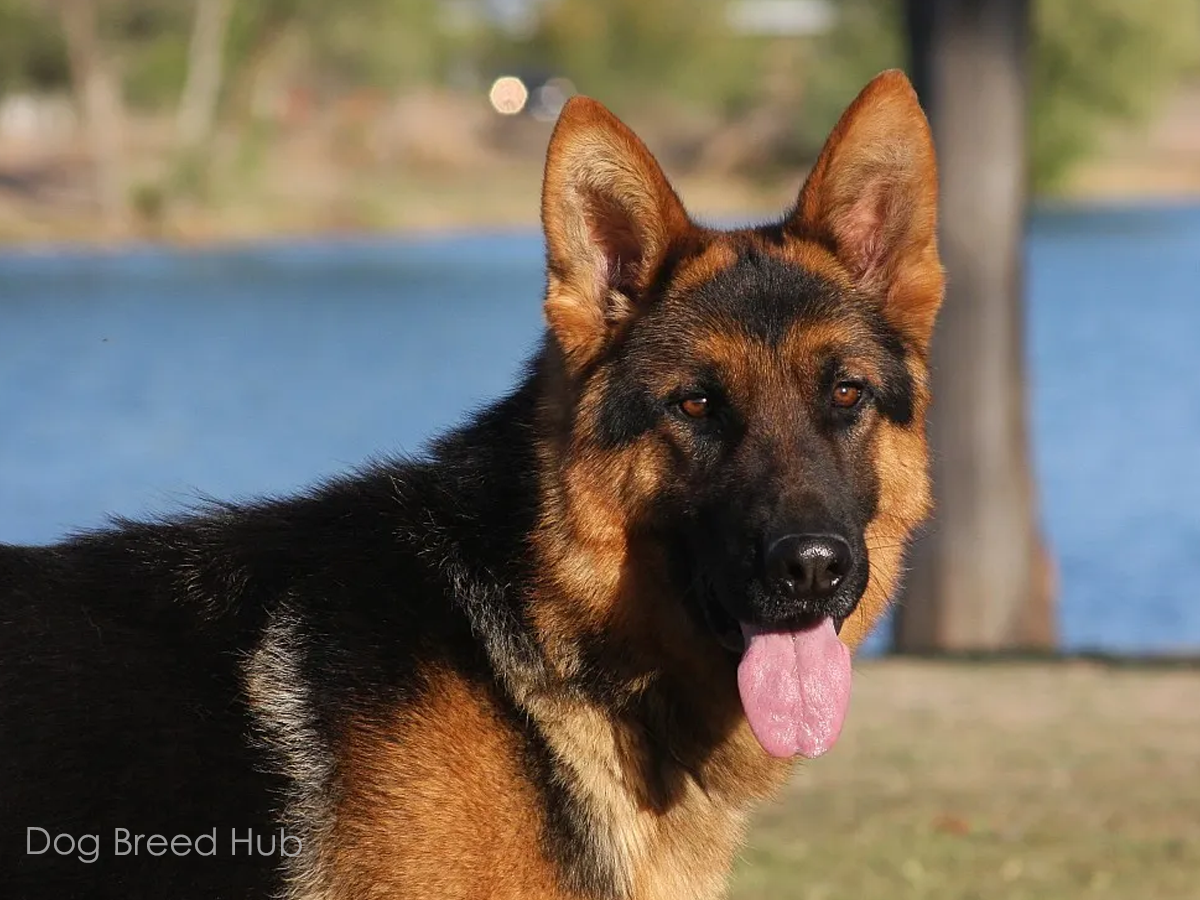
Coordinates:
610 218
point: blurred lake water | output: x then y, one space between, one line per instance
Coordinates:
131 383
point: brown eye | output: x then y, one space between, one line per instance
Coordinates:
695 407
846 394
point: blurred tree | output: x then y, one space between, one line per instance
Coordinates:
99 101
201 90
150 38
32 52
353 43
630 49
1099 63
381 43
255 32
1094 65
980 575
867 38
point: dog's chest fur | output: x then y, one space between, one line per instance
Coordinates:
658 846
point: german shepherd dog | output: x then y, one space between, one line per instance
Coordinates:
563 654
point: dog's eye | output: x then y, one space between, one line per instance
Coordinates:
695 407
846 394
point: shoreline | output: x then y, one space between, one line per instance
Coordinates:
494 197
209 240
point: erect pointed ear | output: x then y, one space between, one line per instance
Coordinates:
610 218
872 198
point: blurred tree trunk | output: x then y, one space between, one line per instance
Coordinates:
98 98
275 27
202 89
981 578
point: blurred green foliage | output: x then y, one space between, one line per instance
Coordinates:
866 39
153 41
629 49
1095 63
348 43
1098 63
32 54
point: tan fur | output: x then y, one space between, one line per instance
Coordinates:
667 846
435 805
901 463
717 255
812 256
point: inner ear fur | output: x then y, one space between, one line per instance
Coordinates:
872 199
610 218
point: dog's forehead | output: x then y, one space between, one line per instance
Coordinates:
779 297
765 297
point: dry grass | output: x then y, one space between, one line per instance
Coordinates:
990 781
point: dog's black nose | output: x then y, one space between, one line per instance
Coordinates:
808 566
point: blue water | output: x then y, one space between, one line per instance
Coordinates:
131 383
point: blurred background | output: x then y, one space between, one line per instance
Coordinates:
250 244
212 119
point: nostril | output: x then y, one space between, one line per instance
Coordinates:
801 576
835 568
828 578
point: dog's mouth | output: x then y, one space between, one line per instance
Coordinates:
794 682
725 628
728 630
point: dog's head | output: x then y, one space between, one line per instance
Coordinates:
750 404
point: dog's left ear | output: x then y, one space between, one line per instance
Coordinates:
872 198
610 218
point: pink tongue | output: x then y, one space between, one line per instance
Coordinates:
795 688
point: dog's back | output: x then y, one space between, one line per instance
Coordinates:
116 711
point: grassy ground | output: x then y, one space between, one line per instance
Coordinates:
994 782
